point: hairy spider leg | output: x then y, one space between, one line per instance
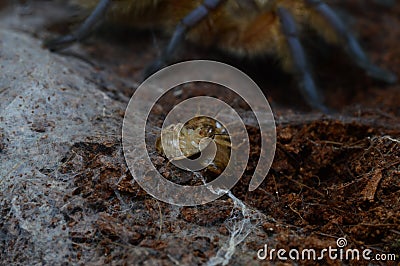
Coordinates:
300 64
190 20
84 30
353 48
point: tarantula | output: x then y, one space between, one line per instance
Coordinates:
243 27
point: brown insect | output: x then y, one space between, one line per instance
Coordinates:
188 140
243 27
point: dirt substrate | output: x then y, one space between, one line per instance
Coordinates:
333 176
